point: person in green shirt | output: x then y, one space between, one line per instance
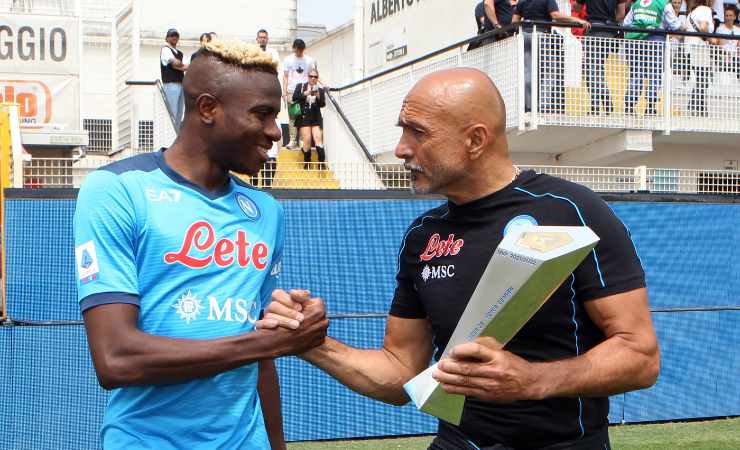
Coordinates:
645 51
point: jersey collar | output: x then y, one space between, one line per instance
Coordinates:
179 179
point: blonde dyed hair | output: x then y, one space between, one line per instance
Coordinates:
240 54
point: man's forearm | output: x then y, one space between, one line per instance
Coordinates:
612 367
143 359
269 392
373 373
491 12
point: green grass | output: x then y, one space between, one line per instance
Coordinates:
712 435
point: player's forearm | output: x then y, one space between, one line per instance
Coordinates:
144 359
373 373
269 392
616 365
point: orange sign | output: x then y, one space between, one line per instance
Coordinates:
34 98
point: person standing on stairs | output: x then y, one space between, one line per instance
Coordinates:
310 123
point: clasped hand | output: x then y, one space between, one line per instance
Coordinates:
483 370
298 314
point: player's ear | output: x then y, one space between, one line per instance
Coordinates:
476 140
206 105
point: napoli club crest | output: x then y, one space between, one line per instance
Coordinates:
247 206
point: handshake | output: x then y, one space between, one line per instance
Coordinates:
294 322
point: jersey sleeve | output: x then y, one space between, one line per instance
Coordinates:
276 266
406 303
613 266
105 236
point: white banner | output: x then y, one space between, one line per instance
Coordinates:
39 44
47 101
40 68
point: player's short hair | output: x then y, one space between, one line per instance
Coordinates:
240 54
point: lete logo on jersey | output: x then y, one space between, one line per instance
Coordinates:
200 237
437 248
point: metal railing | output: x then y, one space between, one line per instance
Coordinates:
68 173
637 84
572 81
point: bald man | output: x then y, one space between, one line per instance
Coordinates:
176 260
548 388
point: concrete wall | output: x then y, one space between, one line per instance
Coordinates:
335 55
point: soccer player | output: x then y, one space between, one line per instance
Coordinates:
548 387
176 259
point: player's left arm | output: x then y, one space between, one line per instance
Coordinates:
268 388
268 385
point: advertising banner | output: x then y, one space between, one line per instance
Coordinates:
39 69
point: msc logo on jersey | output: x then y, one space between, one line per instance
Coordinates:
437 273
87 262
189 307
518 223
248 207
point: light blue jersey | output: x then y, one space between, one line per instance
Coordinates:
199 265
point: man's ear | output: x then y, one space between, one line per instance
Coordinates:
207 106
476 140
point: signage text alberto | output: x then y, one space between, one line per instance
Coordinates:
381 9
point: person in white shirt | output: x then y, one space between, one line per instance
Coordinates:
263 39
679 57
172 69
730 60
700 21
295 70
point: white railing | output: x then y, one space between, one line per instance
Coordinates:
573 81
67 173
636 84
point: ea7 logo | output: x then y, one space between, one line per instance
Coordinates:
164 195
437 272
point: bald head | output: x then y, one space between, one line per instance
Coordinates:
466 96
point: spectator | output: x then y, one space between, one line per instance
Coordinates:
263 39
730 60
679 58
491 15
204 39
173 70
645 51
295 70
700 20
551 50
718 9
311 98
600 12
581 13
